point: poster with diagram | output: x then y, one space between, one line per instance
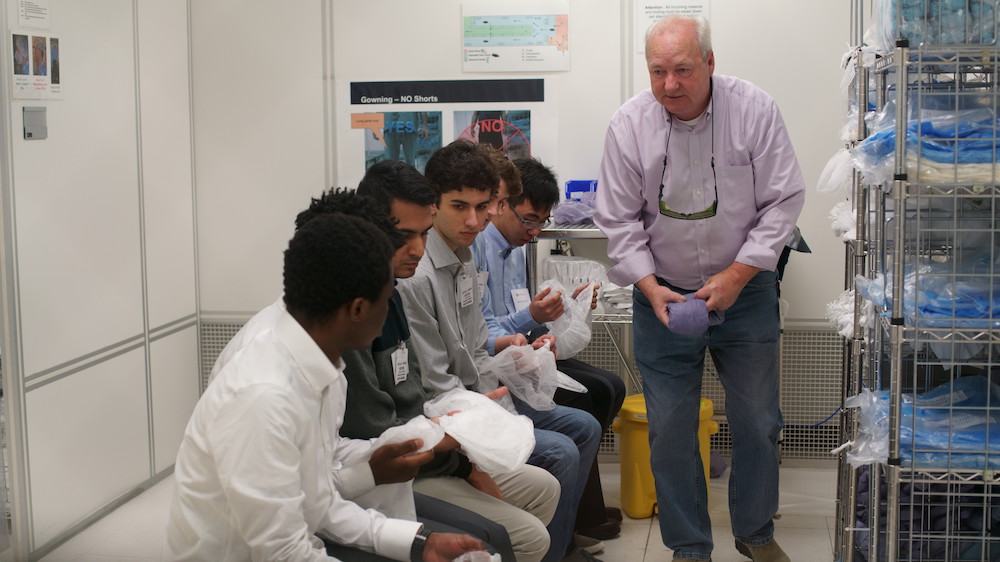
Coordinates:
515 36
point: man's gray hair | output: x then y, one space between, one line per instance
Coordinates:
701 25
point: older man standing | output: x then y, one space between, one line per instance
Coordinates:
699 190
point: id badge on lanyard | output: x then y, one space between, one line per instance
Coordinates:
400 363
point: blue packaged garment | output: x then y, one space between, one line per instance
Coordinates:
966 137
954 425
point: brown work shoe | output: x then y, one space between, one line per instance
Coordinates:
769 552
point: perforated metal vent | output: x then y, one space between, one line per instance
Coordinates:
810 383
214 337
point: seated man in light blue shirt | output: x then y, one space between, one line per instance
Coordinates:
507 309
442 303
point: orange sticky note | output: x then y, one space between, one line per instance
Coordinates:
372 121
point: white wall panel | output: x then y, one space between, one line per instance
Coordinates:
166 159
76 195
258 106
175 383
793 50
87 442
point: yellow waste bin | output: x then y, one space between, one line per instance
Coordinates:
637 489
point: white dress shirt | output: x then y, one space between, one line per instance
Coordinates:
351 473
254 471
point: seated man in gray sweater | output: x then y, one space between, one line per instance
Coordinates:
385 388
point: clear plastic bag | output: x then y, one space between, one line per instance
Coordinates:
478 556
418 427
837 174
932 22
952 425
530 374
572 329
872 443
574 211
492 437
574 271
942 146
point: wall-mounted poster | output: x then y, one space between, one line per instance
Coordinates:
410 136
515 36
35 58
509 131
409 120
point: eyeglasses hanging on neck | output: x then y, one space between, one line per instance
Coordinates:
665 209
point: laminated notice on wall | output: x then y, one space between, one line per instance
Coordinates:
648 12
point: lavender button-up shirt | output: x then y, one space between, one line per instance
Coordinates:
760 187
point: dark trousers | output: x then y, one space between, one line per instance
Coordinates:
440 517
603 399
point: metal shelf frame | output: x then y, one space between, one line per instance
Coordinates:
924 229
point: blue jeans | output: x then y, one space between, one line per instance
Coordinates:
744 349
566 443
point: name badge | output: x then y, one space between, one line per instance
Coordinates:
464 290
521 297
400 363
484 277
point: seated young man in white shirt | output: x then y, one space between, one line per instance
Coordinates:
254 471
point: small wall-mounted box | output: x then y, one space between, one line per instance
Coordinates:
35 123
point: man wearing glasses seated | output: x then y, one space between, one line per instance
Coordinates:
509 309
698 191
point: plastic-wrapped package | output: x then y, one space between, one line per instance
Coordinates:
575 211
873 290
872 442
530 374
418 427
492 437
952 425
932 22
942 295
942 147
572 329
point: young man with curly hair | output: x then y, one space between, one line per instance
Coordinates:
254 471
